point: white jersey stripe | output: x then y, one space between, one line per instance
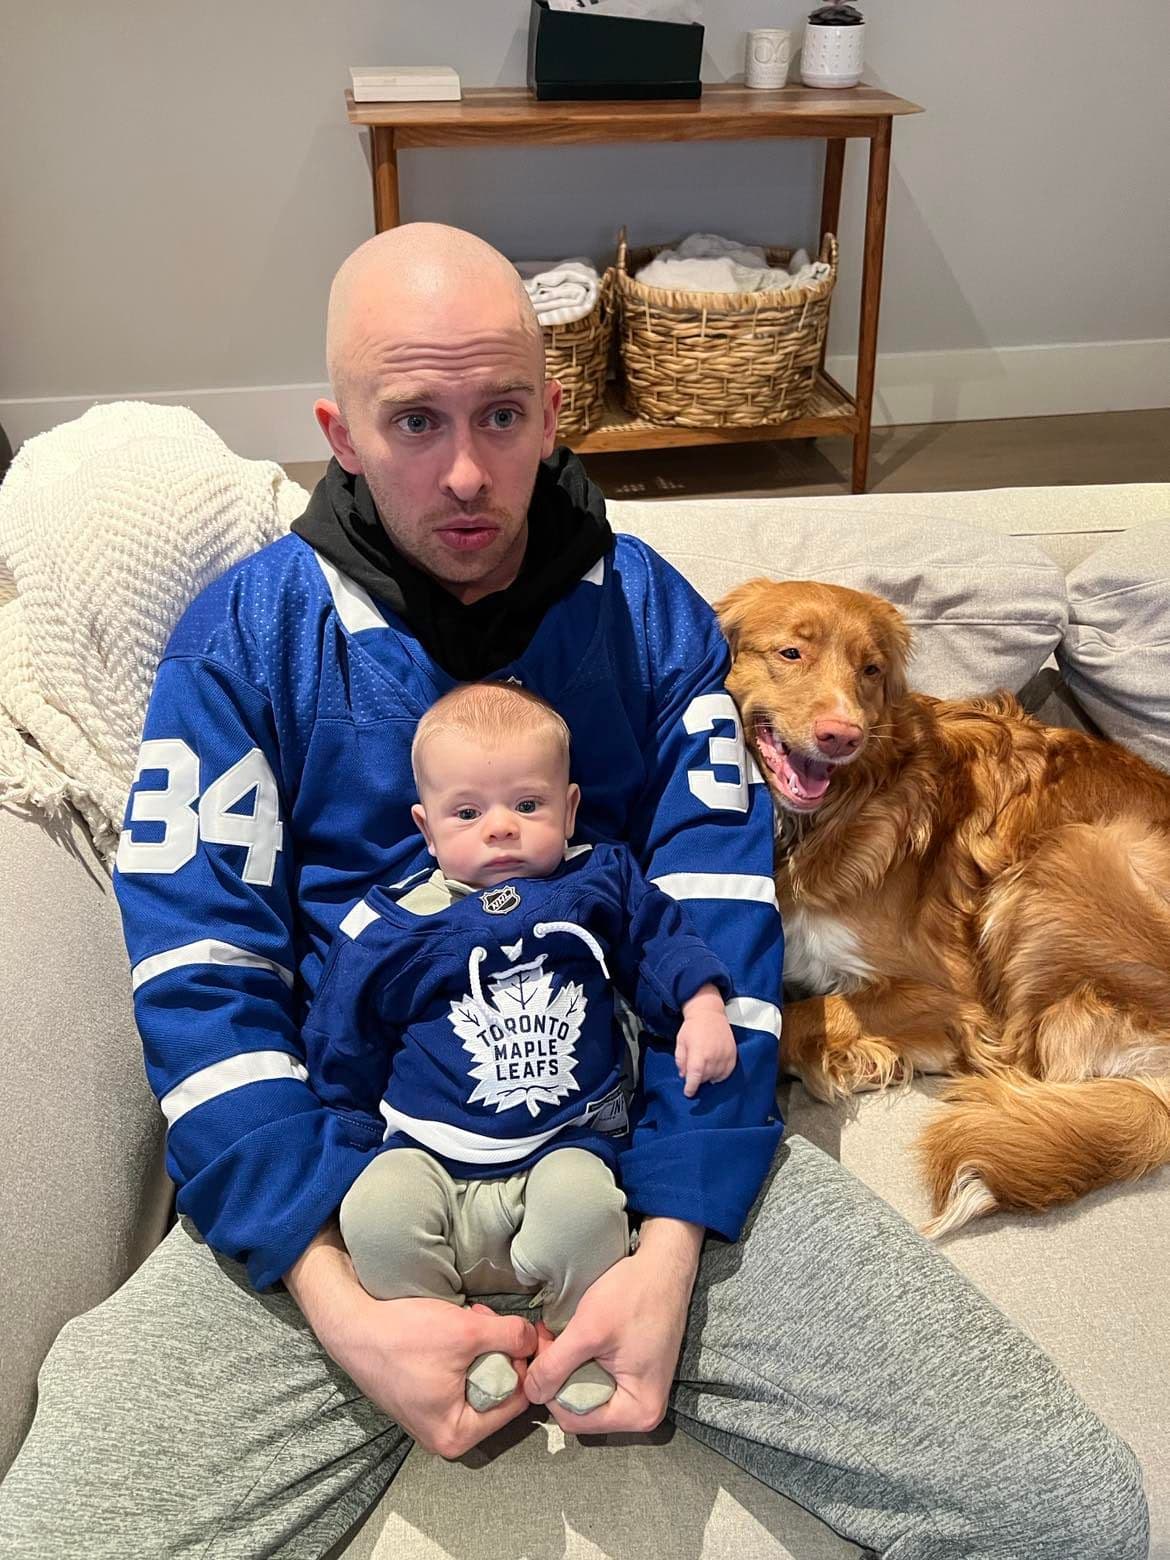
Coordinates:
354 606
752 1013
208 951
458 1143
358 919
718 885
234 1072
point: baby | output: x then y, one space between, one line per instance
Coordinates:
475 1012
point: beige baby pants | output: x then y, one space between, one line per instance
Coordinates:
412 1230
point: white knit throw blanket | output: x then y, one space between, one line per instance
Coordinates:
109 527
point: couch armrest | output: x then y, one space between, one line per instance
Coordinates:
83 1194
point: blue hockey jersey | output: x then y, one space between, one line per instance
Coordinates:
273 792
486 1032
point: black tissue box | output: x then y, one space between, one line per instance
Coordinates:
572 55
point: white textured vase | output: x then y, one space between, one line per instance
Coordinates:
832 56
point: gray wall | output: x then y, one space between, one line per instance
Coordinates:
179 181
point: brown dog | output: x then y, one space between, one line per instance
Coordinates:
966 891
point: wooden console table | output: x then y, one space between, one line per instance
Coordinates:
505 116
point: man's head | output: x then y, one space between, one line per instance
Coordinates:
491 762
436 361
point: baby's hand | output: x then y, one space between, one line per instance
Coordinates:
705 1051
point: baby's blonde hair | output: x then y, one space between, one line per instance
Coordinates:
490 714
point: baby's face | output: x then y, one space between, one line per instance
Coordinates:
488 814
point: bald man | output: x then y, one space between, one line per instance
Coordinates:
243 1395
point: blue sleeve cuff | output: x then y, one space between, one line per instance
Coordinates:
710 1178
263 1199
691 966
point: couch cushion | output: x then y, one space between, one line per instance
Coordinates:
1116 652
1087 1282
987 610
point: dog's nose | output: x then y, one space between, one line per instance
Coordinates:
837 738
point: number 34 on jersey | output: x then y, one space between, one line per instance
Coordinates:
186 817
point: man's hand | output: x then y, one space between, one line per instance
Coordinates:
630 1320
705 1049
409 1357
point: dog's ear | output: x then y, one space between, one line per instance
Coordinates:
734 610
897 646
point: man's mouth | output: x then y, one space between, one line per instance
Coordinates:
468 534
802 782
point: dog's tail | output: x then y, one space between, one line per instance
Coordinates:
1009 1141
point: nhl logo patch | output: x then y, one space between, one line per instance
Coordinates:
499 901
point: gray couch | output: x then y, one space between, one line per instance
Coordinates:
1049 590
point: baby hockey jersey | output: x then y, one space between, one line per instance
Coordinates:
486 1032
273 793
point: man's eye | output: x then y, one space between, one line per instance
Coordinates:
414 422
790 654
466 814
526 807
504 417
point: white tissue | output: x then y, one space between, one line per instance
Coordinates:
642 10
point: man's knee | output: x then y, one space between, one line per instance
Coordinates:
1091 1505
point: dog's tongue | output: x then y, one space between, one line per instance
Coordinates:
812 779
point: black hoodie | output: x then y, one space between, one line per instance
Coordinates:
567 534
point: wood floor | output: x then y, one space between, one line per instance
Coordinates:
918 458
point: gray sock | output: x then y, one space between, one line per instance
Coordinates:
587 1388
490 1381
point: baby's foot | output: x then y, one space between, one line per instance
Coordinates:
589 1386
490 1381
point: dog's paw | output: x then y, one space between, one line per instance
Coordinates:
860 1068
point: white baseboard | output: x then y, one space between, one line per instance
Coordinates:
275 422
980 384
259 422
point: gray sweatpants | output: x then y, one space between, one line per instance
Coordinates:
830 1352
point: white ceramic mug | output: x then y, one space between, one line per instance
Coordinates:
769 54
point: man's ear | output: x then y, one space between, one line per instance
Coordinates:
328 415
419 813
572 798
553 395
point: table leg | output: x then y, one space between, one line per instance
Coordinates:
384 168
871 292
831 202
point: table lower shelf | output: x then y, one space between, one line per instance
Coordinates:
831 412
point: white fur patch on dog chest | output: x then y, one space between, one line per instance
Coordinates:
821 954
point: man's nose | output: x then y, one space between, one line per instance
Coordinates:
837 738
466 477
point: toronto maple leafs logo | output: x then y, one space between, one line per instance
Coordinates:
522 1036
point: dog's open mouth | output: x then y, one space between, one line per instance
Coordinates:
801 781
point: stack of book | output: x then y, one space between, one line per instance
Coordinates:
405 84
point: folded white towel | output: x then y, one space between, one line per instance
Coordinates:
561 290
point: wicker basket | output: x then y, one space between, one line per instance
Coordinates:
710 360
578 356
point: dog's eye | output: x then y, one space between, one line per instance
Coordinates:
872 670
791 654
